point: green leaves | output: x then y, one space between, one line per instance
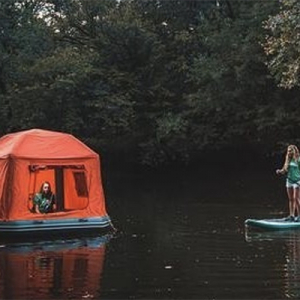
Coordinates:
282 44
153 81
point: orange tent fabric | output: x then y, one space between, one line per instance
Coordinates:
27 158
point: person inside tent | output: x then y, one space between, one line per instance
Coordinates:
44 201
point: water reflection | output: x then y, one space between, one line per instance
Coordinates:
60 269
291 267
179 240
276 235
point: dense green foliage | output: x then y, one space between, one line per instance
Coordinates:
149 81
282 44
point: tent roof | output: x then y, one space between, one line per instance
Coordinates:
43 144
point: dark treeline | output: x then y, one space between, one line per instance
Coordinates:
152 82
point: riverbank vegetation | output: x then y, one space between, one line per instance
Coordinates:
153 82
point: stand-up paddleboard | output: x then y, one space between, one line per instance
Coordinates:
272 224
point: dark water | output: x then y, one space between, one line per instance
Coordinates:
180 236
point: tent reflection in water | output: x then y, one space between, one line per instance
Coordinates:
29 158
56 270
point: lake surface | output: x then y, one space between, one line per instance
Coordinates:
180 235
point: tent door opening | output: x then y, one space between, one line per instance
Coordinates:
68 183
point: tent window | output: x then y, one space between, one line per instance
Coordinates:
68 183
80 184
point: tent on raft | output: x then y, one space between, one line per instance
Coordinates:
29 158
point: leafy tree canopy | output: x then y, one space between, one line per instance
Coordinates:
152 82
282 44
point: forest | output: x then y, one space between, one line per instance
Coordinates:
154 82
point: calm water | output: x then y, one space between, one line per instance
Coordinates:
180 236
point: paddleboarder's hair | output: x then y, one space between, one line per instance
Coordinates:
295 156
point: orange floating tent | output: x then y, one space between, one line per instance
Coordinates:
29 158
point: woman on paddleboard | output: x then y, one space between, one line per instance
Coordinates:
291 168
